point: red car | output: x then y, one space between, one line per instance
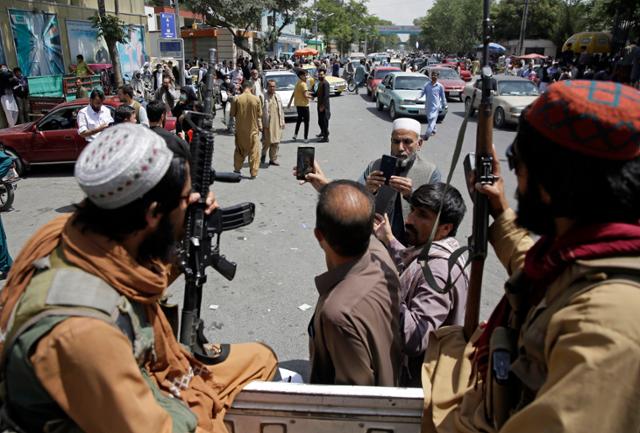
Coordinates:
454 63
449 78
376 76
53 138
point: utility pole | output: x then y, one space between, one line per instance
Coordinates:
523 28
179 35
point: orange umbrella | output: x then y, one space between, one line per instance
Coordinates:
305 52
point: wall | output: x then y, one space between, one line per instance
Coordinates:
540 46
130 11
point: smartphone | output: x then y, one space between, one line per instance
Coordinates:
388 167
306 156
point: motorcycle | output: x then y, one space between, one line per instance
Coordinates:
8 180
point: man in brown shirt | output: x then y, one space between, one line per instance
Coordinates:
355 331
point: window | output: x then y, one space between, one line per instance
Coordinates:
65 118
410 83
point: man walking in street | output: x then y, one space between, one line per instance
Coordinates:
301 97
21 93
167 93
435 100
360 75
424 308
273 122
354 333
560 351
247 111
125 95
323 92
94 118
98 353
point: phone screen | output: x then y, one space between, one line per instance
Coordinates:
388 166
305 164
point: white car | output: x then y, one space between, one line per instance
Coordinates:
285 83
513 94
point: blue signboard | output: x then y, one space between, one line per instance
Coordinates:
167 25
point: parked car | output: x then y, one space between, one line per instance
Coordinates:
337 84
376 76
399 92
511 96
285 83
449 78
54 138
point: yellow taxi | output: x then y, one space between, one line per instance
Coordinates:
336 84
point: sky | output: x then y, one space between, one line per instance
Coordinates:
401 12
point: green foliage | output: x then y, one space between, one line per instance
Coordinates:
111 28
543 18
451 26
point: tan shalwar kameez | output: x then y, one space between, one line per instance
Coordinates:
247 110
273 119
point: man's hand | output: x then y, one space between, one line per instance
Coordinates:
211 202
403 185
382 229
495 193
374 181
317 179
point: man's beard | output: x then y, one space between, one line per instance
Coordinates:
160 245
533 214
411 234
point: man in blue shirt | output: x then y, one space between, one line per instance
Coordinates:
434 101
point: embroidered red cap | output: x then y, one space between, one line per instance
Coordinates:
596 118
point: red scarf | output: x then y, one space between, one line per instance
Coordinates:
549 257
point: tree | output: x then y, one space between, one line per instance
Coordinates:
542 21
113 31
452 26
241 17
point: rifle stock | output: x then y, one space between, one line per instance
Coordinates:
484 174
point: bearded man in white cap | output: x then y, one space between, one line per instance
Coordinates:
87 345
411 172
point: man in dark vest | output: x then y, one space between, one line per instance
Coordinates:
412 171
560 352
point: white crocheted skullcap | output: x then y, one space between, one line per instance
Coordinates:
122 164
407 124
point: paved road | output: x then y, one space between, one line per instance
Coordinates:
277 255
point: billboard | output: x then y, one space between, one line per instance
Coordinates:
83 39
132 54
36 36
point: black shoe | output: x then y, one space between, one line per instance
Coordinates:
324 140
274 163
263 160
236 171
319 136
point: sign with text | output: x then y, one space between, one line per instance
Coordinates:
167 25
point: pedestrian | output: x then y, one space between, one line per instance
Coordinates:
7 99
360 75
175 72
423 308
124 114
247 111
167 92
435 101
125 95
301 97
354 333
157 77
273 123
186 102
81 91
95 117
572 298
82 69
227 92
21 94
138 87
258 86
322 93
335 67
99 337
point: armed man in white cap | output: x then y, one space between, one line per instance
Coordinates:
86 344
411 171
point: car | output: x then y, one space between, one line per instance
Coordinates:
376 76
336 84
511 96
53 138
399 92
285 83
458 65
449 78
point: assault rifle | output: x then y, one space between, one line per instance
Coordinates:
201 246
483 174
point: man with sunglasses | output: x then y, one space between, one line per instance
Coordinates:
561 351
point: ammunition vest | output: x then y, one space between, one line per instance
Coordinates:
57 292
526 341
